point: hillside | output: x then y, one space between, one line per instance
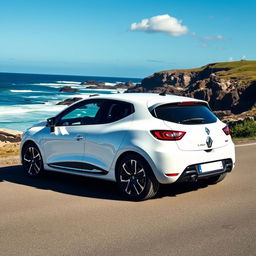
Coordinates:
244 70
227 86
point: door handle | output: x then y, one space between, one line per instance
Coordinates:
79 137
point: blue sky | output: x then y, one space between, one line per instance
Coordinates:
95 37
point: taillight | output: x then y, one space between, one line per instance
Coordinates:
168 135
226 130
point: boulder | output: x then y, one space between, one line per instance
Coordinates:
68 89
93 83
9 136
69 101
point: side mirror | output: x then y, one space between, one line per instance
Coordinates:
51 123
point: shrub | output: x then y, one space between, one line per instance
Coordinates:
246 129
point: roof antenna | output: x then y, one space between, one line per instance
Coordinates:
163 93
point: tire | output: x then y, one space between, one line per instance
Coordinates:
32 161
135 178
216 179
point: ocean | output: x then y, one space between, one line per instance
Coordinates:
26 99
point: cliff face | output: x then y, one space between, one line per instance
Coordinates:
223 86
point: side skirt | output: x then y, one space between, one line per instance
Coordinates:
78 168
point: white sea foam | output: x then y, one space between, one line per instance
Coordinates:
106 90
21 91
51 103
26 109
59 85
68 82
51 84
48 84
110 84
32 97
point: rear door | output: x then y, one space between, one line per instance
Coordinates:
203 129
103 140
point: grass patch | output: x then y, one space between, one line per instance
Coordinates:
244 70
244 130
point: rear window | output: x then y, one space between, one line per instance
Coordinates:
185 114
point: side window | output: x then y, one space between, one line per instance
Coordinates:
87 113
118 110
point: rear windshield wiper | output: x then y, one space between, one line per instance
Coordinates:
192 120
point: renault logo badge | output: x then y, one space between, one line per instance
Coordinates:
209 141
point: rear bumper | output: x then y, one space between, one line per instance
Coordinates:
192 172
175 161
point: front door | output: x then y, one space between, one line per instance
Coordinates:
64 147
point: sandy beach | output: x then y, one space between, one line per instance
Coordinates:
9 147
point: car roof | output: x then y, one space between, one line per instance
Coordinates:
150 99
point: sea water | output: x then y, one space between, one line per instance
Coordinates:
26 99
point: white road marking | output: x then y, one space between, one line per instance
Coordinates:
244 145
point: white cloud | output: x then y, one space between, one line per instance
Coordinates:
218 37
243 57
161 23
230 59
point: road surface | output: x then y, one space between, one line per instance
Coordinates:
68 215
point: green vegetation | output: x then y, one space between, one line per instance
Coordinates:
244 70
246 129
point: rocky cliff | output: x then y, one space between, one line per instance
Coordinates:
227 86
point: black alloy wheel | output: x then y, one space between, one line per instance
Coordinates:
135 178
32 160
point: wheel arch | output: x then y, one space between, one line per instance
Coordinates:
27 142
132 152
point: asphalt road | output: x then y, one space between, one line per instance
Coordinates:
66 215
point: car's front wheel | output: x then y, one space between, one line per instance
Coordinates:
32 160
135 178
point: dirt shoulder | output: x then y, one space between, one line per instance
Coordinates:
238 141
9 154
9 161
9 147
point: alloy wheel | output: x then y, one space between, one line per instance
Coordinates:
32 161
133 177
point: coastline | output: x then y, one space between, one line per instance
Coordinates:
26 99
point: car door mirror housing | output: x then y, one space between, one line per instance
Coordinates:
51 123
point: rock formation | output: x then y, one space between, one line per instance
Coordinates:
227 86
68 89
69 101
91 84
9 136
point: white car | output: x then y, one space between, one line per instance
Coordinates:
137 140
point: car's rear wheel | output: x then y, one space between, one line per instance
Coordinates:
32 160
135 178
216 179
